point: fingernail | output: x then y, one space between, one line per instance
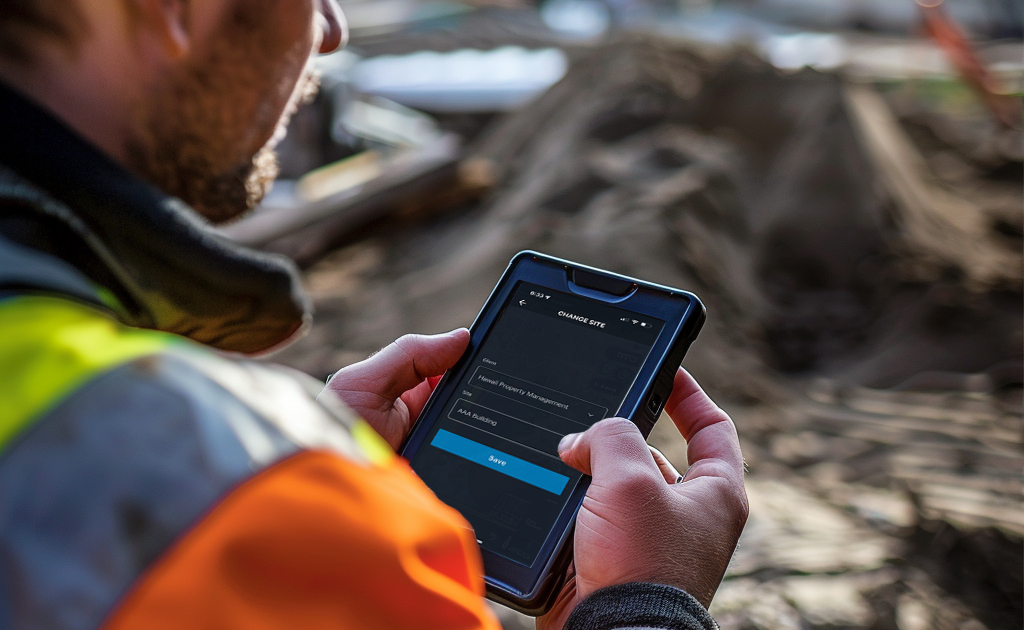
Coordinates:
567 441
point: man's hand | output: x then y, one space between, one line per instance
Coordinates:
637 524
389 389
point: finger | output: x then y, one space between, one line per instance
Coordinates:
417 397
611 449
668 471
713 446
403 365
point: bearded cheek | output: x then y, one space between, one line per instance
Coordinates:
203 134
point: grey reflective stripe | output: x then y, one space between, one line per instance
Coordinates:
100 486
285 397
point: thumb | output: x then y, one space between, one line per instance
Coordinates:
612 448
403 364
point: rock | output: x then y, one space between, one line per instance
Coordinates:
835 600
746 603
791 530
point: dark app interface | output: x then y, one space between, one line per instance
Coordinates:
554 363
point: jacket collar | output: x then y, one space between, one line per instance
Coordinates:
168 270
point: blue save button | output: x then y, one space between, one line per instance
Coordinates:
502 462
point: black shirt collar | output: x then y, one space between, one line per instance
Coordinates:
170 271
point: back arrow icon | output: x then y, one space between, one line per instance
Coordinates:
522 302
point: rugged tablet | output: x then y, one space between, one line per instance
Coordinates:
557 347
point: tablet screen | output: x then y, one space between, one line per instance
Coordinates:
553 363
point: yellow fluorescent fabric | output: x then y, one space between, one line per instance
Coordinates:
371 443
49 347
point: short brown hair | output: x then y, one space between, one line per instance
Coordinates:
24 21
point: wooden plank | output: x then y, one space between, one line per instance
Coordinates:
417 182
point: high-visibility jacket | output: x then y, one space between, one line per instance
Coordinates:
147 481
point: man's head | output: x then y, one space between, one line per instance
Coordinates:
189 94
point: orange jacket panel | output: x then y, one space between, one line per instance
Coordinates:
317 542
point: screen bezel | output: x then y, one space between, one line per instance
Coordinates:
678 309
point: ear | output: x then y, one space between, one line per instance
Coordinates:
168 20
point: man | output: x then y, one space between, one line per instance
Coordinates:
147 481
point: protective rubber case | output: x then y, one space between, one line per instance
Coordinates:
532 589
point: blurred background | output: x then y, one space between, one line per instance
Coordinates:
840 181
